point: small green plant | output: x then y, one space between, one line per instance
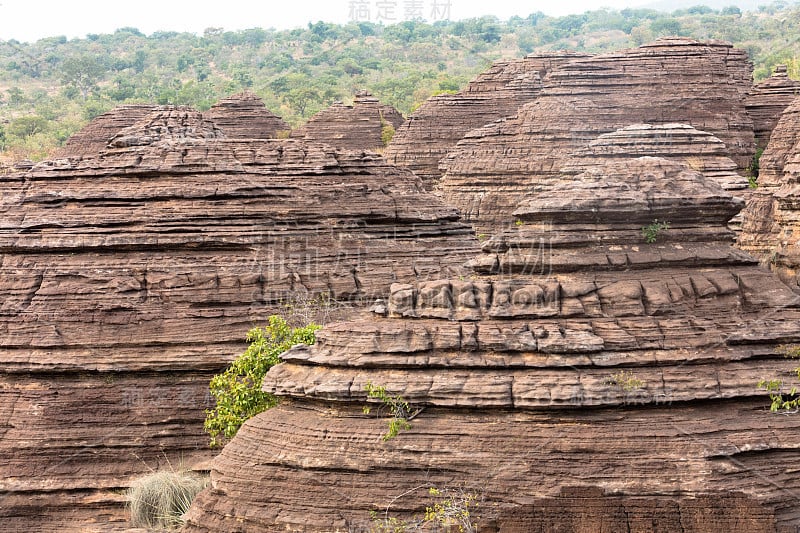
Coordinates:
518 223
449 510
651 231
482 237
752 182
790 351
452 509
776 395
237 391
389 524
753 169
387 131
625 380
159 500
398 408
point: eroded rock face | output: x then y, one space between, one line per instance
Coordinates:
94 137
441 121
700 150
244 116
576 355
130 278
351 127
672 80
770 228
767 100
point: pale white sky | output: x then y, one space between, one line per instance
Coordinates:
29 20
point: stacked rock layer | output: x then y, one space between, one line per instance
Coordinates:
131 278
701 84
360 126
767 100
94 137
771 226
244 116
443 120
581 375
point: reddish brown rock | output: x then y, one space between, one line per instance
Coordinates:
130 278
244 116
672 80
576 355
94 137
766 101
770 229
700 150
351 127
440 122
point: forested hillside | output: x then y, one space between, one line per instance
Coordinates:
50 88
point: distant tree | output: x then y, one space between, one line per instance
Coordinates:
82 73
24 127
665 26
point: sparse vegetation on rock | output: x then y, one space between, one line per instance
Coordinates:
237 391
159 500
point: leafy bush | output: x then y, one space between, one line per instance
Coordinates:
159 500
651 231
238 390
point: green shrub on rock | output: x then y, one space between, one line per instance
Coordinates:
238 390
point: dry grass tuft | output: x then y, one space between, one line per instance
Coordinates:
159 500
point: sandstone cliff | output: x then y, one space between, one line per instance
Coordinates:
441 121
701 84
770 228
130 278
351 127
766 101
580 376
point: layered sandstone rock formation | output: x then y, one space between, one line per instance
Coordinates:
442 120
701 84
94 137
351 127
700 150
580 375
130 278
244 116
770 228
767 100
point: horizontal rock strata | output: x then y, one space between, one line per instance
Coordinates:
352 127
244 116
770 222
672 80
443 120
766 101
577 362
130 278
94 137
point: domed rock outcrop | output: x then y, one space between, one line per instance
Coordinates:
244 116
442 120
359 126
129 279
672 80
770 228
766 101
94 137
579 368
